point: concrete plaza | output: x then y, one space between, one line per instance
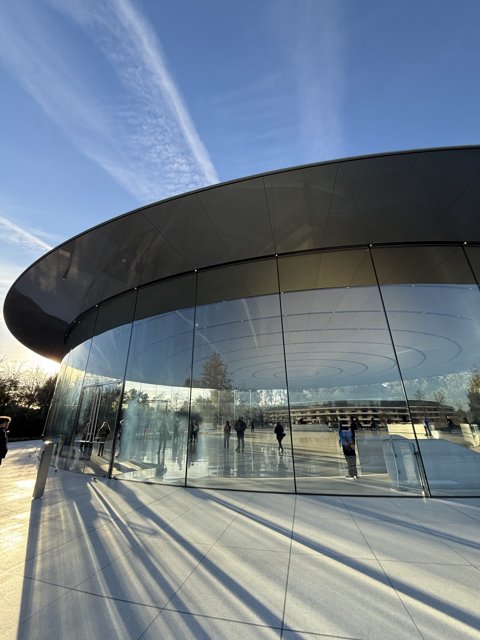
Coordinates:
118 559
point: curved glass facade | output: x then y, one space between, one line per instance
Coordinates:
385 340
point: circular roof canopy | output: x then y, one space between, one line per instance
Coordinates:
413 196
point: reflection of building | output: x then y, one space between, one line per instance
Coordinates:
343 280
383 411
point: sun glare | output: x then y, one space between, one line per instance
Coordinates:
49 366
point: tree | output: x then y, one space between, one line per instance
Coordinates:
216 378
25 395
215 374
35 388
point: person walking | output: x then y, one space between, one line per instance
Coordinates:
226 435
240 428
280 433
4 424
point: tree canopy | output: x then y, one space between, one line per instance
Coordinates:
25 396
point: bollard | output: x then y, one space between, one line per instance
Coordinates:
42 472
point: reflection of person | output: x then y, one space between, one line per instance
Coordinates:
162 439
102 436
121 424
226 435
252 426
176 429
355 424
373 425
280 433
240 428
195 431
86 443
4 424
426 424
163 435
346 438
84 437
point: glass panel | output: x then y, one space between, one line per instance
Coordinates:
239 382
62 416
153 439
56 418
346 399
95 421
94 430
473 255
82 329
433 308
60 425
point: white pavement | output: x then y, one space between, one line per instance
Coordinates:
118 560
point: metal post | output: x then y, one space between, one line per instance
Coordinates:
42 472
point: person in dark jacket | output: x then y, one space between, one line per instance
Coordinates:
102 437
355 425
4 424
280 433
226 435
240 428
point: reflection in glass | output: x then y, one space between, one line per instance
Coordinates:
234 382
98 401
238 376
346 399
433 308
61 424
152 440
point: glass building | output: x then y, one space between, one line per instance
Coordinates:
324 303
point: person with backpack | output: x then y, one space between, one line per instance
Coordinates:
346 437
240 428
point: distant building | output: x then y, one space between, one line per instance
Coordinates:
383 411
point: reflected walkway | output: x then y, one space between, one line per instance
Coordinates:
319 467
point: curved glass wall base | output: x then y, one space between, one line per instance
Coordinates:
353 372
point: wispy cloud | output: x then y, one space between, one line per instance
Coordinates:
290 111
14 235
143 135
318 52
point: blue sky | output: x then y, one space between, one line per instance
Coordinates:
111 104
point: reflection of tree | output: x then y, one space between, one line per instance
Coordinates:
133 395
439 396
215 374
216 378
473 393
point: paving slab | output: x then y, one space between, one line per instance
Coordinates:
119 559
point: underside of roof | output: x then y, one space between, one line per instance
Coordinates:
424 196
